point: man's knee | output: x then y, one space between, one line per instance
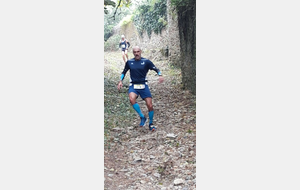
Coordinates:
132 101
132 98
150 107
149 103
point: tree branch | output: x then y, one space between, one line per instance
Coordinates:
116 10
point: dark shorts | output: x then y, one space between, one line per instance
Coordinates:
144 93
123 49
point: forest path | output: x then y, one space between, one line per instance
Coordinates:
136 158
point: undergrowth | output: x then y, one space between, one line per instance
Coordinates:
112 44
117 112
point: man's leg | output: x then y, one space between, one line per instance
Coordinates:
146 95
150 109
123 55
126 54
151 113
136 107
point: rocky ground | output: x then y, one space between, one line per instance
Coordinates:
136 158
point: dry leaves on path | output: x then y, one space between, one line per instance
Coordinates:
136 158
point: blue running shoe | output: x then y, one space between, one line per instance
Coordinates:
151 127
143 121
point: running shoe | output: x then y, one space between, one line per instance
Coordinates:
143 121
152 127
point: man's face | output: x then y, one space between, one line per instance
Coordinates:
137 53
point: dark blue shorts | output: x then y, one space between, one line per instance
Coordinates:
144 93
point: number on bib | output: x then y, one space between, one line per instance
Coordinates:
138 86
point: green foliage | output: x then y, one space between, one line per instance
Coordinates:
120 3
124 3
182 3
163 21
126 20
108 31
110 21
160 169
108 3
151 16
112 44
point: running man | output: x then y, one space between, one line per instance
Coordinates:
139 68
124 45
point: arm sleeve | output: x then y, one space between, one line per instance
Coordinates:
126 68
152 67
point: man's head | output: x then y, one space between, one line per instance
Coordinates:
122 37
137 52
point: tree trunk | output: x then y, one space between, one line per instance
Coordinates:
187 34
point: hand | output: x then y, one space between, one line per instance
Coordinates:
120 85
161 79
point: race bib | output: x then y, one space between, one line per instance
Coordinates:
138 86
123 45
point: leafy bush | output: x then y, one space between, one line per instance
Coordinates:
108 31
151 17
112 44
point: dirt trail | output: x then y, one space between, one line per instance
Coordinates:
136 158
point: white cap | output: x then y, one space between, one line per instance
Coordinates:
122 36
